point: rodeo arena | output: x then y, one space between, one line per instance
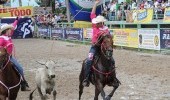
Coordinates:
84 49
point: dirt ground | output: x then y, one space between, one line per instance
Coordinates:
143 76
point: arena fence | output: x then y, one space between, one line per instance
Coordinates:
154 36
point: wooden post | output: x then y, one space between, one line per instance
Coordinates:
68 11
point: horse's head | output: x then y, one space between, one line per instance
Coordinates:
3 56
106 45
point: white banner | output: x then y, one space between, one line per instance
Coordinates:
149 39
88 32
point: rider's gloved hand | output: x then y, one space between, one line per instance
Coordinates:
17 18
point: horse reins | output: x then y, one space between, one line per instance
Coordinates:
103 73
102 50
8 88
108 73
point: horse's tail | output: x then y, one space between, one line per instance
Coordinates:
82 73
31 94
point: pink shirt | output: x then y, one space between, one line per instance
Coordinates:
97 31
6 41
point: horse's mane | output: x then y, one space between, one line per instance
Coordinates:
101 37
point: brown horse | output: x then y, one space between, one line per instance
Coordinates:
9 78
103 70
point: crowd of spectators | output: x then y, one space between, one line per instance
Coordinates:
118 11
48 19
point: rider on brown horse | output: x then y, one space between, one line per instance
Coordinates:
6 32
98 29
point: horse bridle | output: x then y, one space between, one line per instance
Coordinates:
102 46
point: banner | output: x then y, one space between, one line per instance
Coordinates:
149 39
125 37
24 29
165 38
73 33
81 9
87 33
18 11
57 33
167 15
43 31
140 16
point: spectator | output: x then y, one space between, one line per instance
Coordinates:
157 9
45 11
168 3
163 6
134 5
112 10
142 5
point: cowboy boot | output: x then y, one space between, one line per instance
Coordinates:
25 86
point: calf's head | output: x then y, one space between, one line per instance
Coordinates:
50 68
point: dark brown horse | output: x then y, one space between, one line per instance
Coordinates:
9 78
103 70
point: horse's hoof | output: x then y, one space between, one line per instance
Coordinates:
25 89
108 98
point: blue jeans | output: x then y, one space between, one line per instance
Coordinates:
89 60
17 66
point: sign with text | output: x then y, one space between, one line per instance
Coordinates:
140 16
43 31
73 33
57 33
87 33
18 11
149 39
125 37
24 28
165 38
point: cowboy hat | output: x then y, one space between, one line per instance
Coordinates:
98 19
6 26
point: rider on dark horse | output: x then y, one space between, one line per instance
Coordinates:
98 29
6 32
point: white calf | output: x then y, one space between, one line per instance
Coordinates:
45 81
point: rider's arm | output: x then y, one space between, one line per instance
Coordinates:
93 12
95 6
14 25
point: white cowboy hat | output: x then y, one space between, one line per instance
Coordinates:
98 19
6 26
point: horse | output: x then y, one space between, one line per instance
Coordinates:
102 71
9 78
